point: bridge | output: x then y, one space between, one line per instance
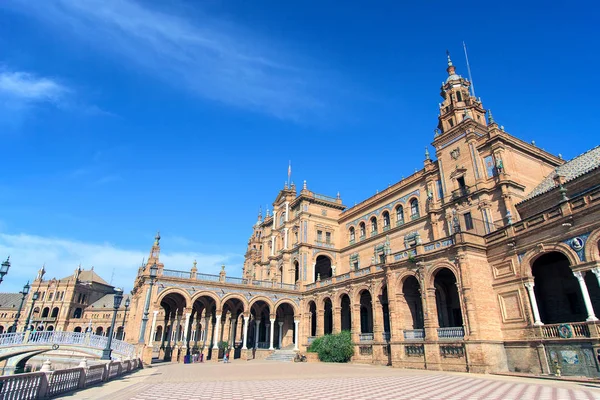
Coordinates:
18 347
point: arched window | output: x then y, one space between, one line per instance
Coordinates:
54 312
386 220
45 312
352 234
373 225
77 329
77 313
362 229
399 215
414 209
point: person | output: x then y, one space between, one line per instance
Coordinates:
226 357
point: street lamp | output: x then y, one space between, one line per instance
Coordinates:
127 303
24 294
117 298
153 270
34 297
4 268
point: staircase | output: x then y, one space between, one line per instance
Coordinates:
282 356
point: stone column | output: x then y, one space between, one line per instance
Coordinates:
216 335
377 319
256 332
153 330
285 238
320 322
280 334
274 219
185 327
534 307
586 297
172 330
205 335
245 335
337 319
596 271
296 325
178 330
272 245
287 211
272 330
233 330
355 320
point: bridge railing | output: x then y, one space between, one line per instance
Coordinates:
120 347
44 384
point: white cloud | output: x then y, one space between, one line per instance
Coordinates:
28 87
62 256
213 59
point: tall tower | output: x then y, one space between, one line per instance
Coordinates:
458 104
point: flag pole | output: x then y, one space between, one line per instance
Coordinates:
469 69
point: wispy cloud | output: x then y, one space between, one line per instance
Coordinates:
212 59
61 257
28 87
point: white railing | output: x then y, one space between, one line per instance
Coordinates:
65 338
414 334
42 385
365 337
455 332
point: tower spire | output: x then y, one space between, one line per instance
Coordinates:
451 70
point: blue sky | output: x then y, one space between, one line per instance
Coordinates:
118 118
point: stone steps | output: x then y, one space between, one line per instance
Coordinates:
282 356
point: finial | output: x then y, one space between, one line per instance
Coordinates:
491 117
533 142
157 238
559 156
92 268
426 153
338 195
260 213
285 185
304 186
194 267
436 132
501 127
449 60
268 213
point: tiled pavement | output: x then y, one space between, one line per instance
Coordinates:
283 381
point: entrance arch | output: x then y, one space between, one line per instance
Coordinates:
366 312
558 294
327 316
413 304
285 329
447 300
312 310
383 300
323 267
260 312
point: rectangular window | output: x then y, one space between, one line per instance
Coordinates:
355 265
468 221
440 189
319 236
490 166
328 237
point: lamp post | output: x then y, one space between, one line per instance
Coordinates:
127 303
4 268
153 270
34 297
118 298
24 294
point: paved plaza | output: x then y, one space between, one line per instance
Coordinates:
275 380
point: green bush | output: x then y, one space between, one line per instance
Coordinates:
333 348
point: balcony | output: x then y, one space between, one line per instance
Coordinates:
365 337
414 334
451 333
460 192
565 330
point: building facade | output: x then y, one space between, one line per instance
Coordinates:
486 259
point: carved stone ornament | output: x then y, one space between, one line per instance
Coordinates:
455 153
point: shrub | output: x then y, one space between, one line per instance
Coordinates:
223 345
336 348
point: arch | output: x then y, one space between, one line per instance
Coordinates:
351 234
50 328
78 312
414 208
45 312
312 319
557 291
158 335
327 316
413 302
384 302
1 329
439 267
296 271
55 312
285 328
399 214
366 311
170 291
236 296
323 267
199 295
288 302
77 329
346 312
532 255
447 299
592 246
362 230
373 222
99 331
386 219
264 299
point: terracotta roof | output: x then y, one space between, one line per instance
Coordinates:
10 300
578 166
107 301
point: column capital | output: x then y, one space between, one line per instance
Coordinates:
155 312
280 323
218 317
596 271
272 320
529 285
296 321
578 275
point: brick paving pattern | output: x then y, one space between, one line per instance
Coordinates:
429 387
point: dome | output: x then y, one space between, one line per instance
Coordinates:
453 77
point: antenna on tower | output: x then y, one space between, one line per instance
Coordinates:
469 69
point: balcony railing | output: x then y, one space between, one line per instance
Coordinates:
455 332
460 192
365 337
207 277
414 334
171 273
566 331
